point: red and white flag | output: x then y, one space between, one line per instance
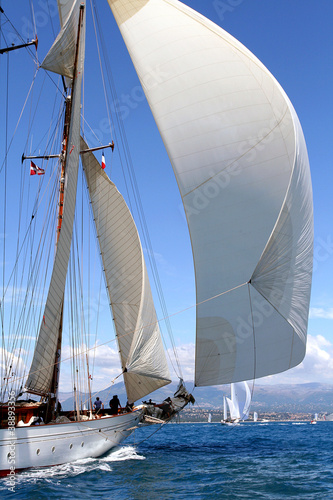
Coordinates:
36 170
103 161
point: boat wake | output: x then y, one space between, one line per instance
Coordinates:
120 454
84 466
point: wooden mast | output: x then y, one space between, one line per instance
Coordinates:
54 389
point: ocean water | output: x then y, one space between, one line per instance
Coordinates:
197 461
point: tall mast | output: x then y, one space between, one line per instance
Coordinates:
54 389
65 57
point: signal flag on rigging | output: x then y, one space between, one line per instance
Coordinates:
103 161
36 170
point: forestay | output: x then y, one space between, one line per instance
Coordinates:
138 334
240 160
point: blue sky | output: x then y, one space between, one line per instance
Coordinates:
294 39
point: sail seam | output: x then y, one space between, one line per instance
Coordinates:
264 138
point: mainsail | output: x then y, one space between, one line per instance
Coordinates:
240 159
42 367
138 334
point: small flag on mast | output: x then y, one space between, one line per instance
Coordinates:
36 170
103 161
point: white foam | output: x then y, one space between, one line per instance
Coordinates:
123 453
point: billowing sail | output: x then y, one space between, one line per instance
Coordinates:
61 56
64 8
233 410
41 371
140 344
242 395
240 159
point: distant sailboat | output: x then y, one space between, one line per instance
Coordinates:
239 156
255 416
239 403
209 418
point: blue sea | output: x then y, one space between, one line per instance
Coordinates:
270 461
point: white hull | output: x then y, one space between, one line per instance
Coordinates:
54 444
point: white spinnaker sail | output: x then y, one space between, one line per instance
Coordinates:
138 334
234 414
61 56
41 371
240 159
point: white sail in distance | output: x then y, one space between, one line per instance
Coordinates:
240 159
41 371
241 393
138 334
233 410
225 409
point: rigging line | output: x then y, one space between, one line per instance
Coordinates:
21 326
33 15
91 130
50 16
102 275
131 333
254 337
5 207
35 267
101 69
24 239
19 119
30 286
78 283
141 215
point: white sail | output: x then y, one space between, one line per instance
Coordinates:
234 413
242 394
41 371
64 8
255 416
140 344
241 164
225 409
61 56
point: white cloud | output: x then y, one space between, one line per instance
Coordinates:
186 355
317 365
319 312
104 366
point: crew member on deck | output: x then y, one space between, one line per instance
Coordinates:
114 403
98 404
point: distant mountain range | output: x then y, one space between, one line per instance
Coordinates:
313 397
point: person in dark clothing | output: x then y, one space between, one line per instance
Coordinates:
114 403
98 404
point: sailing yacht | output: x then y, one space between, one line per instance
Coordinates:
239 404
239 156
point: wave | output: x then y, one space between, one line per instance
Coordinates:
83 466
